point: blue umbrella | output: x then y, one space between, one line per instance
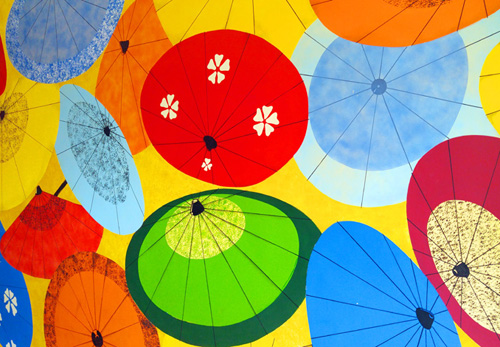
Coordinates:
374 111
16 324
53 41
362 290
97 163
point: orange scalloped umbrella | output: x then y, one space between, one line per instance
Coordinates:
137 43
400 22
88 304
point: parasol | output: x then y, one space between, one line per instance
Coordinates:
489 86
88 303
225 107
453 213
374 111
16 323
220 268
97 162
362 290
47 231
400 22
53 41
137 43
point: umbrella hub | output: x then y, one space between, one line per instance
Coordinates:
426 318
107 130
97 338
2 115
461 270
196 207
379 86
124 46
38 190
210 142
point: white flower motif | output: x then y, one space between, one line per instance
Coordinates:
10 344
171 107
264 119
10 301
215 64
207 164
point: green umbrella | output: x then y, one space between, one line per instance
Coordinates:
222 267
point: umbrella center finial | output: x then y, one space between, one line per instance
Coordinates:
107 130
97 338
124 46
196 207
2 115
379 86
38 190
461 270
426 318
210 142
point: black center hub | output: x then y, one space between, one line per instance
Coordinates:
461 270
379 86
426 318
210 142
124 46
196 207
38 190
97 338
107 130
2 115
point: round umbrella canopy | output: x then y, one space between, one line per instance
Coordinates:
47 231
220 268
137 43
400 22
88 304
3 69
280 22
453 213
225 107
29 119
374 111
362 290
16 323
489 84
97 162
53 41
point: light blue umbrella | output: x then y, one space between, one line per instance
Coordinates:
16 323
51 41
362 290
97 163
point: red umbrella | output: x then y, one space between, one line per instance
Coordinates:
225 107
47 231
3 69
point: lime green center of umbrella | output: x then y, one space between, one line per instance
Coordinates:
205 228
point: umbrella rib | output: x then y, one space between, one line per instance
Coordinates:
45 33
109 68
484 265
369 151
24 131
230 84
461 14
81 306
335 79
365 281
34 22
195 19
18 99
451 331
34 107
435 98
376 264
114 187
253 16
451 293
440 248
140 23
17 170
73 331
55 29
229 15
87 163
225 169
416 284
416 114
234 274
100 115
455 199
216 132
484 284
342 99
81 16
71 313
121 329
82 125
363 329
31 9
102 295
296 14
482 207
343 132
482 307
171 123
91 3
420 338
82 110
125 35
248 159
368 62
86 299
168 2
401 332
359 306
257 214
196 153
187 277
114 312
67 25
145 43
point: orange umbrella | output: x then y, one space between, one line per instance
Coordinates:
400 22
138 42
88 304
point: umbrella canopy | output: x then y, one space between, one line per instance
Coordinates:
221 268
489 84
88 303
16 322
374 111
137 43
453 212
29 119
97 162
3 69
362 290
54 41
280 22
225 107
400 22
47 231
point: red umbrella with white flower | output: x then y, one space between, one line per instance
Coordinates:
225 107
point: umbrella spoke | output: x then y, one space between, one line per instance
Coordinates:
401 332
110 66
7 108
194 20
435 98
17 170
34 22
24 131
119 330
483 309
174 124
225 169
443 252
113 314
335 79
82 125
88 160
244 157
368 62
369 150
67 25
99 124
93 4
